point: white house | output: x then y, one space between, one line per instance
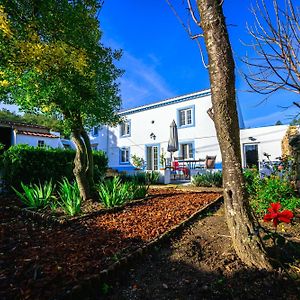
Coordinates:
145 132
14 133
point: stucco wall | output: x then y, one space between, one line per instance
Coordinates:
33 140
157 121
268 139
202 135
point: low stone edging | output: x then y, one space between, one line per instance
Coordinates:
93 282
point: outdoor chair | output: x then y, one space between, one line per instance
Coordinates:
179 171
210 162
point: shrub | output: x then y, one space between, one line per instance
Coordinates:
27 164
273 189
36 196
137 161
138 191
114 192
252 181
208 179
152 177
70 200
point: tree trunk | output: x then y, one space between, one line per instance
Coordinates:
240 220
90 162
81 165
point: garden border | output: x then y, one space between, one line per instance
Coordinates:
93 282
48 219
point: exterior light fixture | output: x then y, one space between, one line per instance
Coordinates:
251 138
152 136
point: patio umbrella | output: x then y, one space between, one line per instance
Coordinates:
173 141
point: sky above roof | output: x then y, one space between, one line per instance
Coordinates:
161 61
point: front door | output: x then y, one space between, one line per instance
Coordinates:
152 157
251 155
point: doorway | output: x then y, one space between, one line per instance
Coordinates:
5 136
152 157
251 155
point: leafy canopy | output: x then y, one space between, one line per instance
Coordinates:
52 61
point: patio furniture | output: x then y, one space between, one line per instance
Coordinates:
210 162
180 170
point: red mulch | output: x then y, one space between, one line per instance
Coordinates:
39 262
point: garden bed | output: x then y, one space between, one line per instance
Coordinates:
42 261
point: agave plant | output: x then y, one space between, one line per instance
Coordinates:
114 192
70 200
36 196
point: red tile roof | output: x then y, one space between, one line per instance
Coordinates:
41 134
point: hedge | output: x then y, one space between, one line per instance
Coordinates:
30 164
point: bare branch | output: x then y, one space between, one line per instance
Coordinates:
187 27
276 42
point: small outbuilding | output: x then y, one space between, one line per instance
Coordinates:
14 133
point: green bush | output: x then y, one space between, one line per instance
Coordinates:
208 179
138 191
23 163
152 177
36 196
114 192
252 180
141 177
70 200
273 189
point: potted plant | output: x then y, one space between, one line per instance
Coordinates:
162 161
137 161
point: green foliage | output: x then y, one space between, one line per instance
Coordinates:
141 177
30 164
70 200
59 64
115 193
137 161
152 177
208 179
137 190
263 191
36 196
52 122
252 180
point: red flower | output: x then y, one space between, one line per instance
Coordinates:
274 214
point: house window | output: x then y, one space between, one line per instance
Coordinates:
186 117
124 155
186 150
125 128
41 143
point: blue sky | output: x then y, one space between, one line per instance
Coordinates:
161 61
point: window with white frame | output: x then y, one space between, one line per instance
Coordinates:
186 150
124 155
125 128
185 116
41 143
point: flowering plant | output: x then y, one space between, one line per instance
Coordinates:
276 216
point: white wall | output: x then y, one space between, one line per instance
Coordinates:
268 139
157 120
33 140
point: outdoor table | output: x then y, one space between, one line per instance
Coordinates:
192 163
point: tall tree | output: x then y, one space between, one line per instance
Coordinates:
241 222
276 44
52 61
